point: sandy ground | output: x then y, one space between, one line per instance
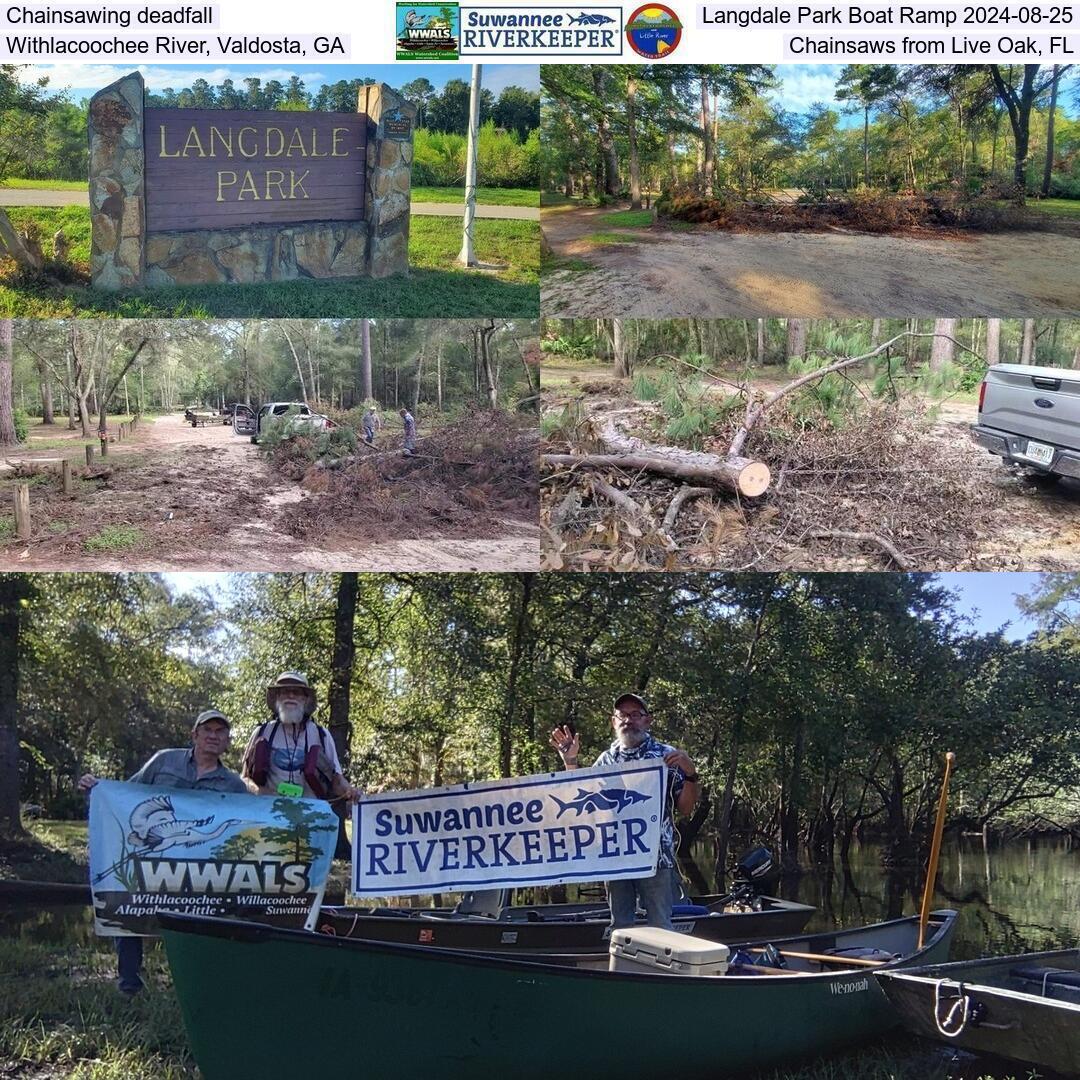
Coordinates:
706 274
205 500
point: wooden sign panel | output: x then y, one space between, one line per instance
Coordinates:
221 168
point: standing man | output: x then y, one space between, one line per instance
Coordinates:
630 721
370 424
291 754
410 431
194 768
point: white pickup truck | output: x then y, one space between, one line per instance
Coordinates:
246 421
1030 416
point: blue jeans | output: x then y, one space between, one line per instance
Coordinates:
129 951
653 893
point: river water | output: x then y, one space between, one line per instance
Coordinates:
1019 896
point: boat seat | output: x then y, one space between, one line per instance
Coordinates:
1046 976
862 952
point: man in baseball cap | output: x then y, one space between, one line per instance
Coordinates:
195 768
291 754
630 722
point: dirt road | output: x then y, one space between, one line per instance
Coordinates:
203 498
662 273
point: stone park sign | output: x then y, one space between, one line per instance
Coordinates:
209 196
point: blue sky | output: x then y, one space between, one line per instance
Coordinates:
83 80
987 599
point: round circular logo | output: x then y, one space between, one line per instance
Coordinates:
653 31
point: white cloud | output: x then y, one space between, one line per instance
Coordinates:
803 85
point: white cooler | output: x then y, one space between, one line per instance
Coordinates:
664 952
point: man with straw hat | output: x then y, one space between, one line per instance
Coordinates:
290 754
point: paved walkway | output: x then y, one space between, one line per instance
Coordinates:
41 197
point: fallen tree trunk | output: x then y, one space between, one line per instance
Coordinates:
25 252
749 478
737 473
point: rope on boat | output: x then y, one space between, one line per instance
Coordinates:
949 1027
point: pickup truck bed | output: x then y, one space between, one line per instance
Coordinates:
1030 416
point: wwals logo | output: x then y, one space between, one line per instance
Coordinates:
428 31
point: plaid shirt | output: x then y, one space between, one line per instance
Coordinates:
652 748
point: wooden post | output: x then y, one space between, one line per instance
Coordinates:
89 455
119 432
22 511
65 472
104 445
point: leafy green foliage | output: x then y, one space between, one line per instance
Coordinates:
114 538
22 424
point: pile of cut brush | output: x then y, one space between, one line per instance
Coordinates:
464 480
881 491
862 211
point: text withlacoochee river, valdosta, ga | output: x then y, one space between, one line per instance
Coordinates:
477 838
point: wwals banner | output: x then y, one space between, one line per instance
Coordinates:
586 825
158 849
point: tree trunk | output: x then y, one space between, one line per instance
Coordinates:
993 341
48 416
866 144
27 256
517 647
796 338
631 134
1048 168
707 142
108 392
760 342
438 376
1027 344
608 155
943 349
365 361
14 592
419 376
618 348
341 673
7 405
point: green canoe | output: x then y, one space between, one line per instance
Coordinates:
359 1009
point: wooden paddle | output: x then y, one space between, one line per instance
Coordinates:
935 849
826 958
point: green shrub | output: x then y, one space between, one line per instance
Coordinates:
22 425
502 159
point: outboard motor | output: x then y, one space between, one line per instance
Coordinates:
753 874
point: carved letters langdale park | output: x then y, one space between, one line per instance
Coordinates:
205 196
212 168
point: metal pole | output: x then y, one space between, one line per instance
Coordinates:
468 252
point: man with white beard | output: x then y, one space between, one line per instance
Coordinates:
291 754
631 720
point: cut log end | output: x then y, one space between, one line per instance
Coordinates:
754 479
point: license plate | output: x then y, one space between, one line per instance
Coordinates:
1039 452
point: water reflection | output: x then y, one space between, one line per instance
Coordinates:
1013 897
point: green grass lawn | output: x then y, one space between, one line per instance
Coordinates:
613 238
627 219
44 185
489 196
1057 207
435 287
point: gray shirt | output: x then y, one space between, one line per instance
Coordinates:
177 769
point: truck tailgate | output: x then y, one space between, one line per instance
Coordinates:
1042 403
